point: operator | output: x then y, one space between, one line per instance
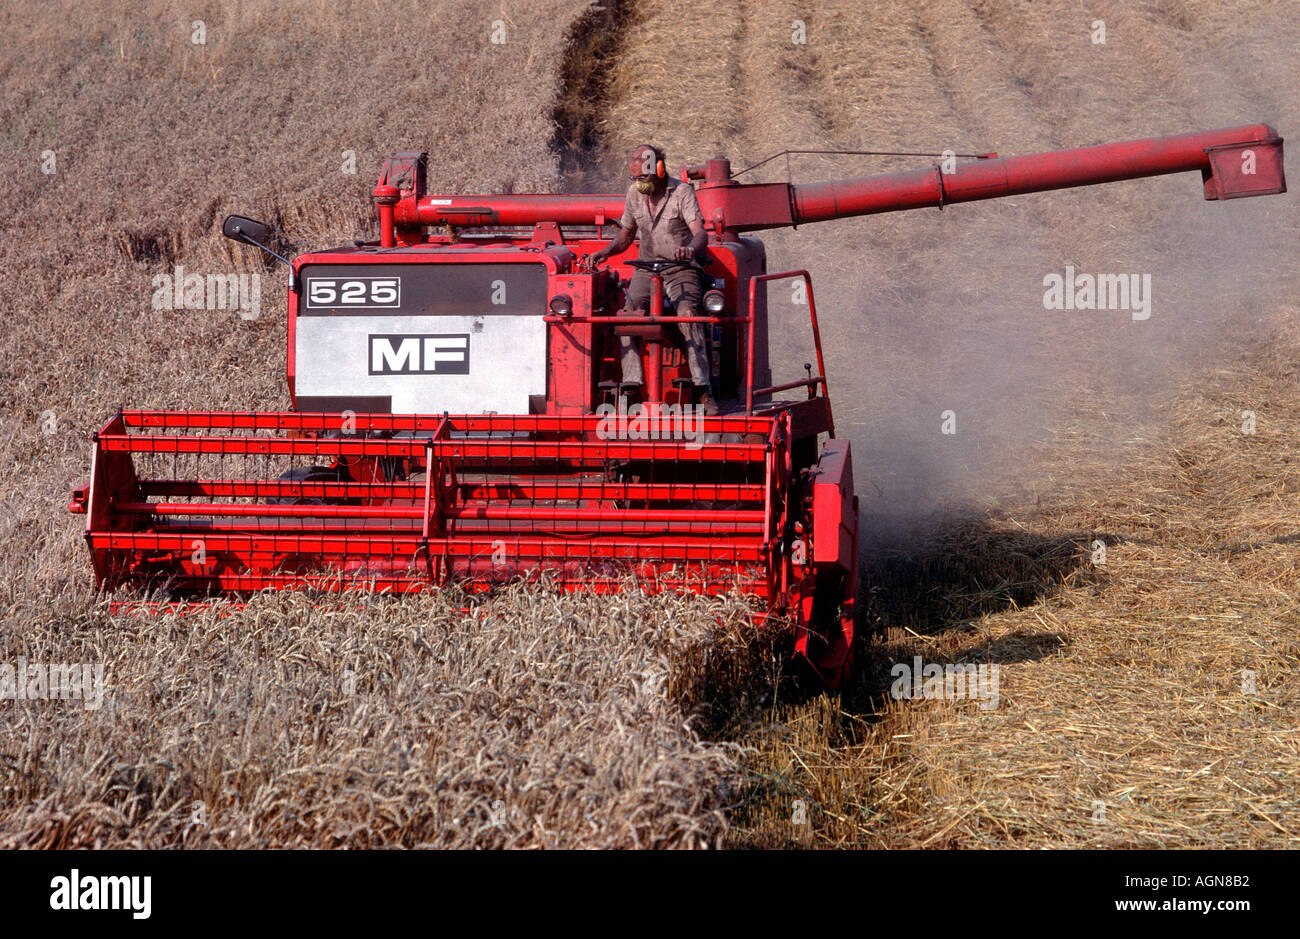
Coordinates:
666 216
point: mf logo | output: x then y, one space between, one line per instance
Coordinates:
440 354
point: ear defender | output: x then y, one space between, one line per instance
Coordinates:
659 169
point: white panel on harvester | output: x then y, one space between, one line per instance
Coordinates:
427 364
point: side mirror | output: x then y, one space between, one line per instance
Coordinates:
251 231
240 228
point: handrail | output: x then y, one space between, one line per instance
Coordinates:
630 319
811 383
801 383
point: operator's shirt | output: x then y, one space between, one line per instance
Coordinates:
668 227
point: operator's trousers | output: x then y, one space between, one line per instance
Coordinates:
683 288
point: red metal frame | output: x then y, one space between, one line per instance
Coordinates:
730 208
546 486
810 383
186 501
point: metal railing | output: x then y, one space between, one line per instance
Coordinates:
811 383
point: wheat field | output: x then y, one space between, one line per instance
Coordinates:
535 719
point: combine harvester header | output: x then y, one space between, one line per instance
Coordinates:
457 411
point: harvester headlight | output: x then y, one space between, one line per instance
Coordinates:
715 301
562 304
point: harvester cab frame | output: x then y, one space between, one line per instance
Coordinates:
456 416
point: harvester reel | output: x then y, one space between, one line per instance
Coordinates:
307 474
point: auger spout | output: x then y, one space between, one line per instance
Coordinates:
1234 162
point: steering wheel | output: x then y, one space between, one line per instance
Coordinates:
659 265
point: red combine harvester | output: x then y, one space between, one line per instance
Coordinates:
457 414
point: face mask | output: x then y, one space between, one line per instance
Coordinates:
645 187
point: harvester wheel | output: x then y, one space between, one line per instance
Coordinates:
831 650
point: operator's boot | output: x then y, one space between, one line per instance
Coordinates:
704 400
632 395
